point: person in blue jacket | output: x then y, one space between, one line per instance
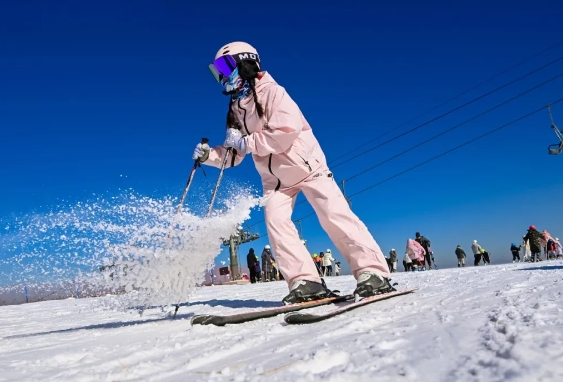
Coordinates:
515 252
258 270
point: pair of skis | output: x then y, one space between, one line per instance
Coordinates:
293 314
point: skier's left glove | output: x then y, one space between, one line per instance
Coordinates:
235 140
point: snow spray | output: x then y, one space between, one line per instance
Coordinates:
118 246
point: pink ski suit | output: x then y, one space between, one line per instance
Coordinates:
289 159
415 250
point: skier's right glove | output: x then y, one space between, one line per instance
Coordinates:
201 152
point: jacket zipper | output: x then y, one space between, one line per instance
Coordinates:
269 159
271 172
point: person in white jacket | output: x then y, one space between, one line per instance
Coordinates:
407 262
337 268
327 263
558 249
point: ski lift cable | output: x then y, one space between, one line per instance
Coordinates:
449 112
441 116
521 62
439 134
439 155
455 127
454 148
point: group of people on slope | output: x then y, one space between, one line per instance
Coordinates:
268 271
479 253
418 254
324 261
533 243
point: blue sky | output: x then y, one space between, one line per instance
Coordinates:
90 92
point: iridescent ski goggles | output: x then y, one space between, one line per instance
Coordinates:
223 67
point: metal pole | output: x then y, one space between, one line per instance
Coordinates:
233 259
300 229
212 200
190 179
188 184
218 182
550 115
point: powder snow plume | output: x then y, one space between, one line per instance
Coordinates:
135 247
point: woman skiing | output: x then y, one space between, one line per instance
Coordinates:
264 121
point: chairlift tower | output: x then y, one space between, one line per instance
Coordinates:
241 236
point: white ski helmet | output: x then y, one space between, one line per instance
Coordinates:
239 51
328 251
474 241
266 246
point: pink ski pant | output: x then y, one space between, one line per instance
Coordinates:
344 228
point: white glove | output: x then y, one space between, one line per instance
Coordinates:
201 152
235 140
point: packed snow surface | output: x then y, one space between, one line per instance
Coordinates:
491 323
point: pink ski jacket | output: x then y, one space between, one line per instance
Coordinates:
282 143
415 250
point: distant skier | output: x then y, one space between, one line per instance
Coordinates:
258 270
544 241
263 120
527 254
416 253
407 263
558 249
251 263
322 255
318 263
486 257
327 263
534 238
267 264
337 268
550 248
515 252
426 245
477 252
460 254
393 260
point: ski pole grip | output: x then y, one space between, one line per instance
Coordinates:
205 148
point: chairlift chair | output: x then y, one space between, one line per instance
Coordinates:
556 148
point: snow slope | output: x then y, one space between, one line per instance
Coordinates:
494 323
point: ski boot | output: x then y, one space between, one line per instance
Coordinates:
371 284
305 290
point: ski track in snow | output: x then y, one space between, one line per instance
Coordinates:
494 323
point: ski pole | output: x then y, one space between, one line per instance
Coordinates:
197 163
190 179
212 202
218 182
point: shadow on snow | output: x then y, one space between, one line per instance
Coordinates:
237 303
543 268
108 325
122 324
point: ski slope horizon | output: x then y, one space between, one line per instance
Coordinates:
493 323
78 234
